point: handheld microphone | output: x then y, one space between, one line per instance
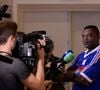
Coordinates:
67 57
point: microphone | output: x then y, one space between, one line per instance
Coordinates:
67 57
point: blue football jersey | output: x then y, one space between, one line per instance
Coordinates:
88 64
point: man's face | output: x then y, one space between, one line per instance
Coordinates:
89 38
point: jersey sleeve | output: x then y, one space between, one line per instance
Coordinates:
90 73
20 70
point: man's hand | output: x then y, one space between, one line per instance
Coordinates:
40 49
47 84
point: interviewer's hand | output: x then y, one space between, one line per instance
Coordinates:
40 49
47 84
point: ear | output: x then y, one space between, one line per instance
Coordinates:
11 40
11 37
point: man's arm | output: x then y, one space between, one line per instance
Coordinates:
86 76
35 82
70 76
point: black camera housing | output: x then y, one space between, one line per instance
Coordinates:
26 49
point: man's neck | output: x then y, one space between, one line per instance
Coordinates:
90 49
4 50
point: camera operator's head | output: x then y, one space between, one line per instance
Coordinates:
49 48
8 31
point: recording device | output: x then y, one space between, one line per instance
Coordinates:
67 57
26 49
3 13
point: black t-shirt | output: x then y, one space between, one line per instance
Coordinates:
11 75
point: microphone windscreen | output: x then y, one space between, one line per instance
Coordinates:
68 57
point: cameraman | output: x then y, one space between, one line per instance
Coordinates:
15 75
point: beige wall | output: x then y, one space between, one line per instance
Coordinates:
9 2
68 5
20 7
10 5
56 1
56 24
55 21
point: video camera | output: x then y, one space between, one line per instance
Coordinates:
26 49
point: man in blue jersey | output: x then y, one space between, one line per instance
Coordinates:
85 70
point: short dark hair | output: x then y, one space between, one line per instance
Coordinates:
49 46
7 28
94 28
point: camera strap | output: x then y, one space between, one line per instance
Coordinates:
5 58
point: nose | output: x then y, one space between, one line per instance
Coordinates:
85 38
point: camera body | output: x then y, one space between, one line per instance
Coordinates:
26 49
